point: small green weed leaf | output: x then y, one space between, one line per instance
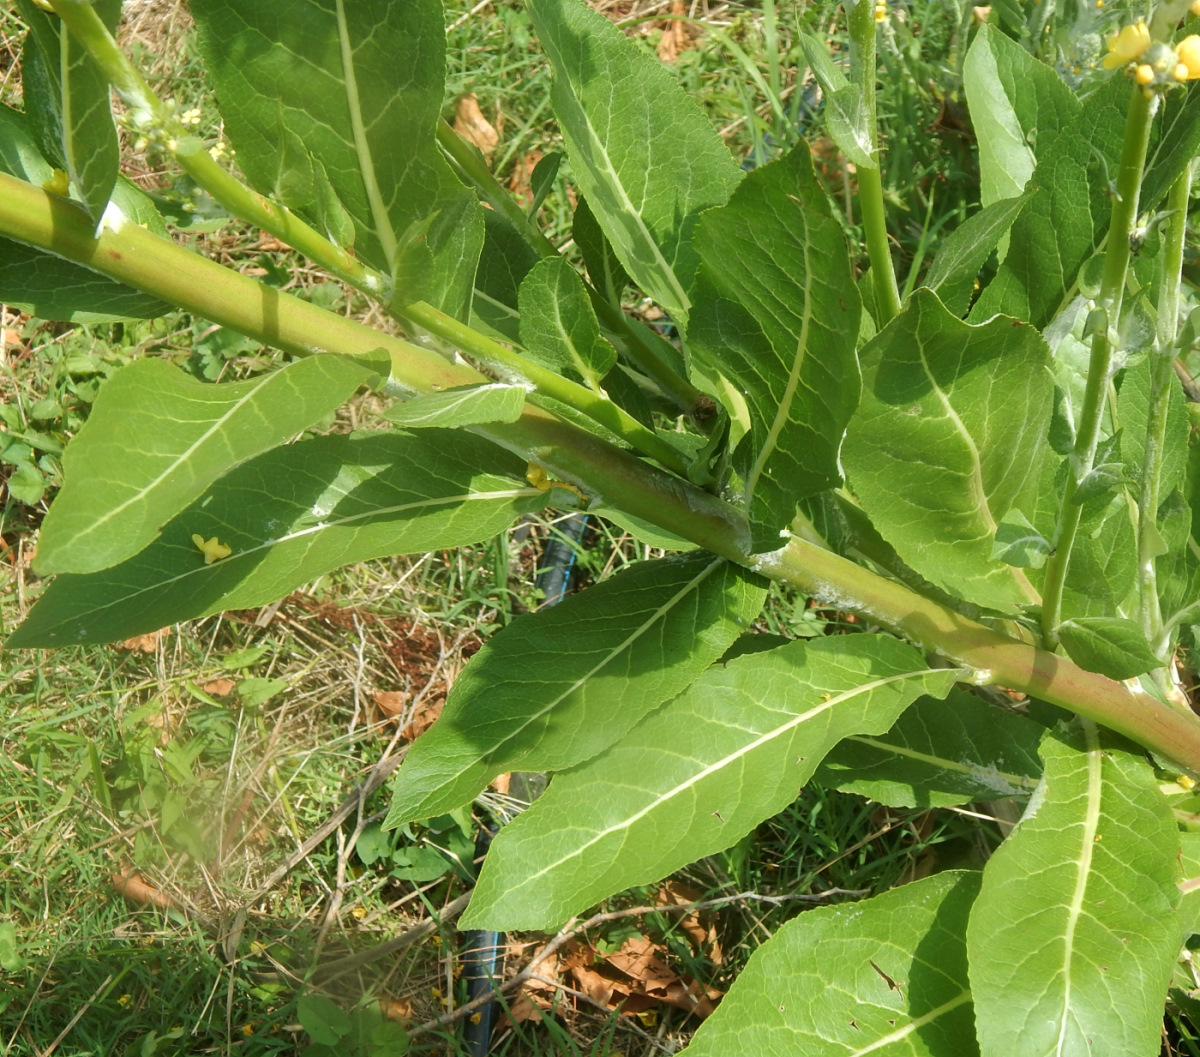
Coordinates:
465 406
645 157
1065 222
1133 403
966 250
846 117
541 180
51 287
604 269
558 324
257 691
695 776
886 976
10 950
247 657
373 844
1112 646
157 438
555 688
322 1018
1074 932
951 427
343 98
26 484
419 864
940 753
1019 543
1017 106
289 516
777 313
78 96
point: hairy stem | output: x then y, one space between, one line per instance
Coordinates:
1122 221
138 258
861 17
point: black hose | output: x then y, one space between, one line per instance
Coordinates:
483 958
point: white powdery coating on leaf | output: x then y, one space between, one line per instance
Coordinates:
991 778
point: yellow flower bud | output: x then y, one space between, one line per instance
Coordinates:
1188 51
1144 74
1127 46
1195 8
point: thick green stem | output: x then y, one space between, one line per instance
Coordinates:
642 352
134 256
1122 221
861 18
1162 377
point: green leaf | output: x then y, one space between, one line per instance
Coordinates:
846 117
1017 106
333 107
467 405
78 96
885 976
1074 932
51 287
1066 220
1019 543
322 1018
541 181
694 777
603 267
1189 887
10 950
950 431
157 438
26 484
777 313
1133 406
291 515
558 324
966 250
505 260
1176 143
557 687
1112 646
940 753
645 157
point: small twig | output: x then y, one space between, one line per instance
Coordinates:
78 1016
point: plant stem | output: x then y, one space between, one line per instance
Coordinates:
643 353
159 122
1162 375
141 259
861 18
1122 221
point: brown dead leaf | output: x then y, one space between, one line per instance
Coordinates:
11 339
218 687
130 884
391 702
703 937
636 979
396 1008
501 783
145 643
520 183
675 36
470 123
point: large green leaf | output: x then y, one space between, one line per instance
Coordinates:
645 157
290 516
75 98
558 324
950 431
940 753
1017 106
777 312
1176 143
695 776
157 438
466 405
886 976
1133 405
51 287
332 106
557 687
1074 932
1067 217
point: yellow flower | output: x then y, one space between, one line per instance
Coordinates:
1188 51
214 550
1127 46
